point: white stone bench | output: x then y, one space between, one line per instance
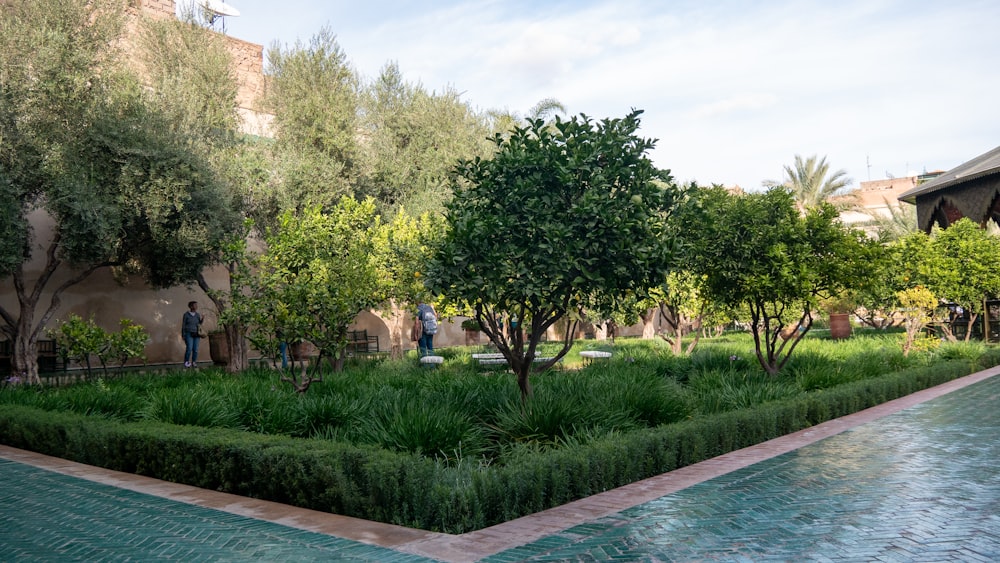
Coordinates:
499 360
431 361
590 355
492 356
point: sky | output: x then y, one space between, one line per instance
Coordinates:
731 90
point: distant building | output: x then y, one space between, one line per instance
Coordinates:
876 197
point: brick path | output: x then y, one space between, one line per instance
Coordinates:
917 479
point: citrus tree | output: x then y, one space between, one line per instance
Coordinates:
318 273
964 268
760 252
403 248
565 215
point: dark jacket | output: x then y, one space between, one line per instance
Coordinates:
191 322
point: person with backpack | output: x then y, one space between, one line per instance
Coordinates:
428 328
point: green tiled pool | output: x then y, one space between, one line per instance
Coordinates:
47 516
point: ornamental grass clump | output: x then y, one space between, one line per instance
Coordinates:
190 406
99 399
432 430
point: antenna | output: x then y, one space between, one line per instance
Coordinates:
218 10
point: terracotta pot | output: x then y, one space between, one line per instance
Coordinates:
218 347
471 337
840 325
301 350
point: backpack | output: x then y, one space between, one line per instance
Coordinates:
430 323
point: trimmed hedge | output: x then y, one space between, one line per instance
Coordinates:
413 491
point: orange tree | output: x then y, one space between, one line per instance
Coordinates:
566 215
760 252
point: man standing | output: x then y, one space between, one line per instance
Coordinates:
189 332
429 324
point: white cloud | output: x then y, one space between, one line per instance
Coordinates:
733 90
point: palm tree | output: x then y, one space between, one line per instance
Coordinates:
504 120
901 221
809 182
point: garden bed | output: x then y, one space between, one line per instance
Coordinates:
451 449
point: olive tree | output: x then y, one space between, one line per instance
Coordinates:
81 142
563 216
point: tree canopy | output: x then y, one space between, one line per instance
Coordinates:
80 139
560 218
314 94
413 139
758 251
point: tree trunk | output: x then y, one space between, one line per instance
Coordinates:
648 324
398 325
20 330
236 342
973 317
600 331
523 383
235 332
25 357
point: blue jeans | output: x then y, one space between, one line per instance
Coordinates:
426 344
191 347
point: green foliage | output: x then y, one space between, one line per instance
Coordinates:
100 399
129 342
320 270
917 307
190 406
470 324
314 95
729 390
191 77
414 138
432 430
964 267
562 217
83 141
760 252
80 340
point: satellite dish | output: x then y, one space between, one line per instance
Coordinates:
217 10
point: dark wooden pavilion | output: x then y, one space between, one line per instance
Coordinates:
972 190
969 190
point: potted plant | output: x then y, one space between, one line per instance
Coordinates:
839 308
218 347
471 328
